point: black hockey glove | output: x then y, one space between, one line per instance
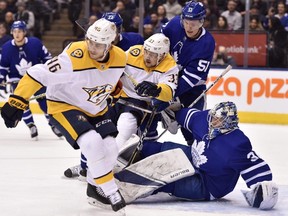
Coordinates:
12 110
147 88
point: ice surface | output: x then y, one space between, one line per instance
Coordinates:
32 182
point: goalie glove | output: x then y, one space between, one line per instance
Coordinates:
263 195
147 89
12 110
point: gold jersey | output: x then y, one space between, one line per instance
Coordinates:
74 80
165 74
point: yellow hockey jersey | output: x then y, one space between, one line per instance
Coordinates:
165 75
74 80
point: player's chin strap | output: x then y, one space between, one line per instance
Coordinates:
144 177
263 195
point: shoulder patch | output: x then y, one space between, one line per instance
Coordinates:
135 52
78 53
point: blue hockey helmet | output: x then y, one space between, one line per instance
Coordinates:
115 18
193 10
19 25
222 119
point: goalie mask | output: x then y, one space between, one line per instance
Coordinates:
222 118
156 46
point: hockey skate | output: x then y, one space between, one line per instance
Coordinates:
56 131
76 172
97 198
33 131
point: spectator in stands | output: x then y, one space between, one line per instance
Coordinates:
262 6
96 10
74 10
9 19
25 15
222 24
210 20
221 58
255 24
134 25
264 21
147 31
11 6
3 10
162 15
41 13
155 21
126 14
150 6
282 15
233 17
277 43
173 8
4 35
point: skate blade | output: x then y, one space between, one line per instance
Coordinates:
98 204
103 206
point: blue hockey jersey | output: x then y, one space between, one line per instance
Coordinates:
128 39
193 56
16 60
223 159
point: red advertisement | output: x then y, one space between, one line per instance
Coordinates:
234 43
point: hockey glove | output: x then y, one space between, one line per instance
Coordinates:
12 110
146 89
263 195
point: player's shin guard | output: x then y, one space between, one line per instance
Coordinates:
127 125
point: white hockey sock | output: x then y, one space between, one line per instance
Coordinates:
101 156
126 125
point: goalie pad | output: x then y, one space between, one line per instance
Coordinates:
263 195
144 177
169 121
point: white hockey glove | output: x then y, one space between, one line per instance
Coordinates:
263 195
169 121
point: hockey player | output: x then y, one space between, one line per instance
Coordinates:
18 55
154 73
78 82
123 40
192 47
220 153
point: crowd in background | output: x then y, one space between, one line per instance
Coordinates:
268 16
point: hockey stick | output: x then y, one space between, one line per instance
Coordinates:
143 135
34 97
127 103
7 83
227 69
83 23
134 82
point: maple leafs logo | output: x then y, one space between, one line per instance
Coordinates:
23 66
197 151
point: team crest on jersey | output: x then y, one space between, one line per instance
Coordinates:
98 94
78 53
135 52
197 150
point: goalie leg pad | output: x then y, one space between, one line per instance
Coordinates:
144 177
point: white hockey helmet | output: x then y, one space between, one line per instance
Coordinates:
102 31
157 43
